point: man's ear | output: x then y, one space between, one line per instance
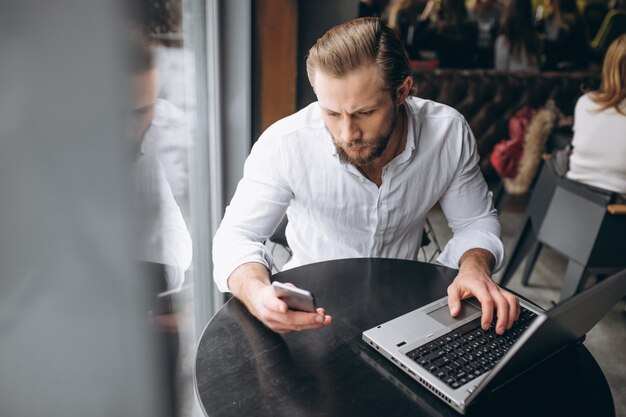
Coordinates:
404 89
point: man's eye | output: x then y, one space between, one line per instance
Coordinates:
333 114
366 113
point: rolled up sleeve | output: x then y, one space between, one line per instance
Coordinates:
468 207
259 204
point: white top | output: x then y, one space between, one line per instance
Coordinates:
335 212
599 155
505 61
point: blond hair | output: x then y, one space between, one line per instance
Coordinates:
357 44
613 85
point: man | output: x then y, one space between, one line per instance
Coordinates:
357 173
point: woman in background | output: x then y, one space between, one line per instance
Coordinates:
599 155
486 14
456 36
565 36
404 19
518 48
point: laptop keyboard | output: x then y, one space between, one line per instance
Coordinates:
468 352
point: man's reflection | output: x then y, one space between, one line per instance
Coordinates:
163 234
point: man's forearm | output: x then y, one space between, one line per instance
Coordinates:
246 279
478 259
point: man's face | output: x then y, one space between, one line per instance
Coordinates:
145 92
359 114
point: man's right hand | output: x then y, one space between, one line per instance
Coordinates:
250 284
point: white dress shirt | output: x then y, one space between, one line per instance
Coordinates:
167 138
335 212
163 234
599 155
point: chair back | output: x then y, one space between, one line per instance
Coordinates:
573 218
279 234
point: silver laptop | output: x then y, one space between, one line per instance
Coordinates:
456 360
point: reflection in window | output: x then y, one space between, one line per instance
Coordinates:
170 138
203 110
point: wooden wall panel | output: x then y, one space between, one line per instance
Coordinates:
277 32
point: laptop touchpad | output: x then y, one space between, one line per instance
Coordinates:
442 314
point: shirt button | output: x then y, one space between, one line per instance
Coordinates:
379 205
361 179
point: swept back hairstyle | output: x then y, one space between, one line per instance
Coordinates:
357 44
612 90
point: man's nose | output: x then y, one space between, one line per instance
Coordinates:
350 130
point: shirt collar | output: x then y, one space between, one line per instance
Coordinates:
411 129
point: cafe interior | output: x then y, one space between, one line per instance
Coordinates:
107 244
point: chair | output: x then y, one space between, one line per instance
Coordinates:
579 221
279 238
429 239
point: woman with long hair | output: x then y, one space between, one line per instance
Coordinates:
565 36
599 154
486 14
456 35
518 47
403 17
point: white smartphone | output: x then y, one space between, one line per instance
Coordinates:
296 298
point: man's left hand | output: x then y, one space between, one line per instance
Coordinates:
474 279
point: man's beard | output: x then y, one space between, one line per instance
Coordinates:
377 145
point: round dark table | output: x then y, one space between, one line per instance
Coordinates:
244 369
